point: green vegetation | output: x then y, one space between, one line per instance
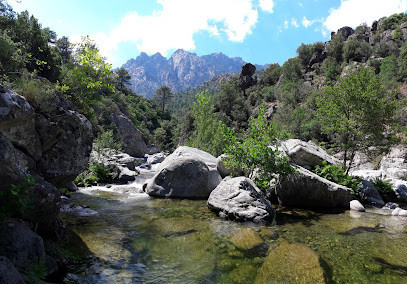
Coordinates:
162 96
15 200
210 134
356 114
256 151
337 175
385 188
106 140
36 272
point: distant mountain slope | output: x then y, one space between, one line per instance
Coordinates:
181 71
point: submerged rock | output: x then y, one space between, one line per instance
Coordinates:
291 263
186 173
239 199
246 239
306 189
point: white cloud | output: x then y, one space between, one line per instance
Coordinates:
355 12
305 22
286 24
294 22
266 5
174 25
300 4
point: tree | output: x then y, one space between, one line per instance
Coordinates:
356 113
65 49
271 74
123 77
210 134
162 96
88 76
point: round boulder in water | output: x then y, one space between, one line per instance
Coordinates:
239 199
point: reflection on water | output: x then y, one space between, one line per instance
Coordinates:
139 239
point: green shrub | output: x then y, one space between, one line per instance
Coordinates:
385 188
256 152
36 272
337 175
14 200
101 172
106 140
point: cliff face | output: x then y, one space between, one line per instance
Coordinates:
180 72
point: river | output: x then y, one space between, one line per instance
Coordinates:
138 239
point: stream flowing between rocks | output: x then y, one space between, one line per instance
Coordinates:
138 239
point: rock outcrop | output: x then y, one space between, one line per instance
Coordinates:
306 154
239 199
186 173
245 77
53 140
306 189
133 143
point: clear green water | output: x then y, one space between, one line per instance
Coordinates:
136 239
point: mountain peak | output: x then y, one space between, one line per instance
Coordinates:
183 70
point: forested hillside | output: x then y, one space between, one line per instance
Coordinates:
39 64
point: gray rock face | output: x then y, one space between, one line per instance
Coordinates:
133 143
45 206
306 189
8 273
400 189
306 154
239 199
52 140
17 123
12 170
186 173
20 244
69 154
368 194
399 212
394 164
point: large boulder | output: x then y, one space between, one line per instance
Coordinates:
368 194
21 245
45 203
303 188
8 273
239 199
66 151
133 143
186 173
51 139
291 263
306 154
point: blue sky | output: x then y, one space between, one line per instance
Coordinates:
259 31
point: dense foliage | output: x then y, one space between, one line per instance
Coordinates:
356 114
337 175
256 151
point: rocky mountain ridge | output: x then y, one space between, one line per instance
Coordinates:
181 71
